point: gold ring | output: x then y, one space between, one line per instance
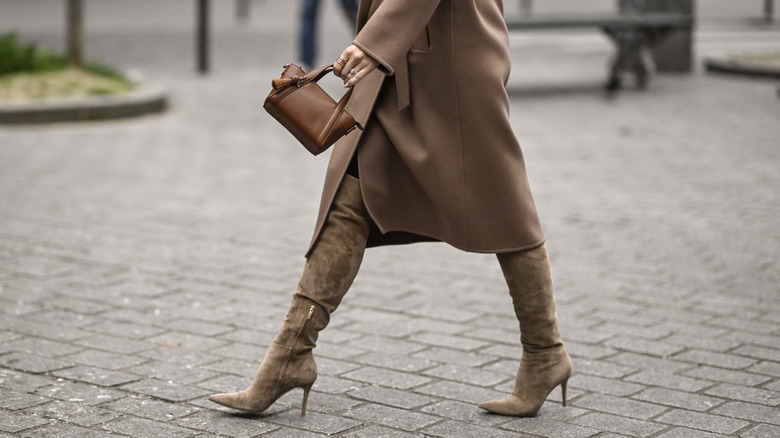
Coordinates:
340 61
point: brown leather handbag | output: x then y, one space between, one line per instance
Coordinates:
307 111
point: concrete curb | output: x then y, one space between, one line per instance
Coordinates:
144 100
731 66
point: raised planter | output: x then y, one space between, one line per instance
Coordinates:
143 100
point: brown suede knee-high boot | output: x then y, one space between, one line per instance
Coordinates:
327 275
545 363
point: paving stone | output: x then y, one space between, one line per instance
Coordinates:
744 325
650 333
648 363
715 359
166 390
74 412
394 362
653 348
771 354
702 343
21 382
333 367
335 385
115 344
448 341
187 340
769 368
140 428
246 352
668 380
222 424
252 337
37 267
463 412
39 347
749 411
328 404
240 368
388 378
752 338
184 356
386 345
684 432
742 393
605 386
472 376
390 397
377 432
62 430
436 354
149 408
602 369
727 376
587 351
391 417
31 363
314 421
124 329
620 425
77 392
290 433
14 400
550 428
185 374
762 431
619 406
96 376
453 429
337 351
678 399
16 421
460 392
701 421
197 327
105 360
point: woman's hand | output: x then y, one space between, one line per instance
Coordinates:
353 65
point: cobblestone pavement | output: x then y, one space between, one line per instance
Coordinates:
147 263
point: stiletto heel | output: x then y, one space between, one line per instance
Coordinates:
563 391
306 390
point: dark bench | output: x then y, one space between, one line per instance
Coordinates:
634 35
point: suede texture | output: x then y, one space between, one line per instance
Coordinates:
327 275
545 363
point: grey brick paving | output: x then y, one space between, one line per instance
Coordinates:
147 263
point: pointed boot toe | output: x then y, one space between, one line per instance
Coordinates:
234 400
510 405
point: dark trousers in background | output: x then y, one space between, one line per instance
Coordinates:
308 35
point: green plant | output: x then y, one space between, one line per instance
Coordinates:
18 58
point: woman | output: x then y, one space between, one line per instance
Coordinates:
437 161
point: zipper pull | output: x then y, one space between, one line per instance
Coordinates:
311 312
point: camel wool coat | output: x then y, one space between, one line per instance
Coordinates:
438 159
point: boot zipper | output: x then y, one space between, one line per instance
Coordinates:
292 349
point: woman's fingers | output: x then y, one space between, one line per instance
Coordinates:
353 65
354 76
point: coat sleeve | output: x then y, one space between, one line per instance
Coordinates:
390 32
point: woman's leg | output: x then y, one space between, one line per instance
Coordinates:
545 363
308 36
327 275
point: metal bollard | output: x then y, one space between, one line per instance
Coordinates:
202 37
